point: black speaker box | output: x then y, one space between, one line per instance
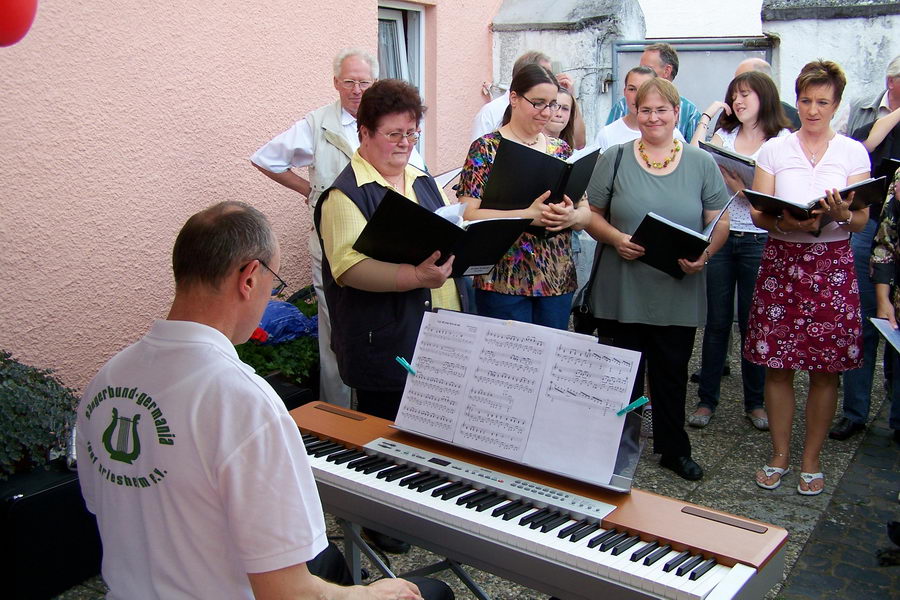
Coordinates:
52 537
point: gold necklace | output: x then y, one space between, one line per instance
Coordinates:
676 147
518 137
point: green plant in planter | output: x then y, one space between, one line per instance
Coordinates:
37 412
296 359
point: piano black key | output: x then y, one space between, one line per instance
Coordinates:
613 541
328 450
540 514
473 495
424 487
377 466
432 478
450 494
500 510
600 538
401 473
355 455
566 531
689 565
545 519
625 545
391 471
308 438
362 460
702 569
313 446
448 488
584 532
476 500
519 510
414 479
488 503
360 464
658 554
339 455
642 552
676 561
551 525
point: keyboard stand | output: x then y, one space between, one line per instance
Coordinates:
354 544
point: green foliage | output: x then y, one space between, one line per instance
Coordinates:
37 413
295 359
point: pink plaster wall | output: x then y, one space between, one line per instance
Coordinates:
118 123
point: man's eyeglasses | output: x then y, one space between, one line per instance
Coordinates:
396 136
662 112
349 84
541 105
281 282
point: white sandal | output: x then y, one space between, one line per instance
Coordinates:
769 472
809 478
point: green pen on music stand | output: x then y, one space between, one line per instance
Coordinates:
636 404
405 364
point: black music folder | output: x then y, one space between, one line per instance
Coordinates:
400 231
867 191
666 241
520 174
742 166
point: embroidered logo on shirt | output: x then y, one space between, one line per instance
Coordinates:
128 428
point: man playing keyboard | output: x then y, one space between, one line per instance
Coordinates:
195 470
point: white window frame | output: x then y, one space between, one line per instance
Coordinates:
411 43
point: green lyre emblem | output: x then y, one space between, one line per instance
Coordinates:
121 452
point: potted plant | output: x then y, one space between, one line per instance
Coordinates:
37 412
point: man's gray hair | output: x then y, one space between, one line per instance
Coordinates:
893 68
667 55
219 239
347 53
532 57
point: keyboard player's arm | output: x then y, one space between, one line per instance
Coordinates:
297 583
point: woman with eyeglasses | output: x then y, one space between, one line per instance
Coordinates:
535 279
377 307
635 305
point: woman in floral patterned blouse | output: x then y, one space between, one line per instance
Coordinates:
885 262
535 279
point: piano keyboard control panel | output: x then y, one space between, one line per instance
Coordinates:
479 477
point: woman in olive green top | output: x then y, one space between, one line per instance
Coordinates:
637 306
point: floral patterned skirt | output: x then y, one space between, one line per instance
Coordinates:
805 313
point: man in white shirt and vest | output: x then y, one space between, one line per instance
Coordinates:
324 140
195 470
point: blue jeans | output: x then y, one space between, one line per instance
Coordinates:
550 311
857 383
735 264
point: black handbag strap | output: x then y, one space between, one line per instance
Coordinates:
590 286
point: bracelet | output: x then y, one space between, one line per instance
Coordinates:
706 115
848 221
706 262
778 225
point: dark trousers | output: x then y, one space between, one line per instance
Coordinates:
378 403
665 352
331 566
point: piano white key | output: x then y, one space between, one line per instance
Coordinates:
732 583
705 584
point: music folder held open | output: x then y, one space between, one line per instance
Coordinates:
534 395
402 232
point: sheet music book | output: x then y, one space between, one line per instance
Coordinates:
867 191
666 241
401 231
520 174
743 166
890 335
538 396
886 169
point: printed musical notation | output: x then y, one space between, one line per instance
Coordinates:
508 389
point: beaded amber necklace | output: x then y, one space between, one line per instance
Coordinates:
676 147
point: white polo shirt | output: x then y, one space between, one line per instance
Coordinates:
194 468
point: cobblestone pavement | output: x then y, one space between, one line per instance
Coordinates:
833 536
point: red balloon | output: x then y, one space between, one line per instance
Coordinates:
16 17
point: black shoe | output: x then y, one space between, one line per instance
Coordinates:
684 466
897 435
845 429
695 376
726 370
386 543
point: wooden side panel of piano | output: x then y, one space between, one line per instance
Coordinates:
728 538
